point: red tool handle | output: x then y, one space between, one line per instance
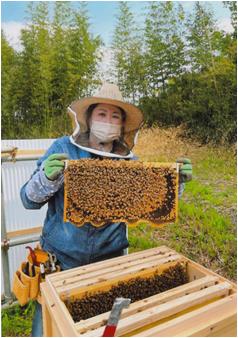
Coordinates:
33 255
109 331
114 316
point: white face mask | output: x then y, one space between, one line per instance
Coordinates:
105 132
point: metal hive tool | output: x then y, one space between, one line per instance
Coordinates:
104 191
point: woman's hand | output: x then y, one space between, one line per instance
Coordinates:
185 170
54 166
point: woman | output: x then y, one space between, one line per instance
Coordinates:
105 126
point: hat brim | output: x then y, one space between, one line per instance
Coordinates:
134 116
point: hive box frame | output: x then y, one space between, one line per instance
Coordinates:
206 306
173 214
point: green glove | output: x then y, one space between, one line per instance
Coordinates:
54 166
185 170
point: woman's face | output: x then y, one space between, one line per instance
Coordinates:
107 113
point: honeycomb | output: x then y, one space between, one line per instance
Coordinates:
136 289
105 191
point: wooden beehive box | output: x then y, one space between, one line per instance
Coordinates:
205 306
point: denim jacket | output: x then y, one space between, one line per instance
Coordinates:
73 246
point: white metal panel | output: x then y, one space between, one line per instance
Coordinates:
27 144
14 175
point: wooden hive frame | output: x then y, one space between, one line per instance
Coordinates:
155 215
205 306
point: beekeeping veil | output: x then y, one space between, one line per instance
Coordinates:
109 94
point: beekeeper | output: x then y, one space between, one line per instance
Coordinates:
104 126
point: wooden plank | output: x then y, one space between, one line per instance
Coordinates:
223 323
131 270
64 322
160 164
167 309
31 151
47 320
16 153
109 262
116 268
8 150
12 234
163 297
176 327
228 331
62 307
55 330
200 270
194 272
78 290
113 269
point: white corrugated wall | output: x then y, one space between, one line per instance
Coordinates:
14 175
28 144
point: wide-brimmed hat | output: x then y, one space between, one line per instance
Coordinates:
109 94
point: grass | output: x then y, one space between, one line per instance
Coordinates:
206 230
17 321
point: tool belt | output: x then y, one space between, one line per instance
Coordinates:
27 279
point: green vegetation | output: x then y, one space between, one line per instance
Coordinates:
184 68
179 68
57 64
17 321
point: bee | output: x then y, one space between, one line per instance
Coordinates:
93 304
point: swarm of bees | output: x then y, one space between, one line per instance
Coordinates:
135 289
105 191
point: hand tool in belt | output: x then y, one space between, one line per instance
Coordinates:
33 255
53 259
38 256
34 263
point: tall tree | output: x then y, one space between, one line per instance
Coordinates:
201 29
57 64
60 76
232 5
34 84
164 45
8 73
84 55
211 101
128 60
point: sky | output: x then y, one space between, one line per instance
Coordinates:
102 17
